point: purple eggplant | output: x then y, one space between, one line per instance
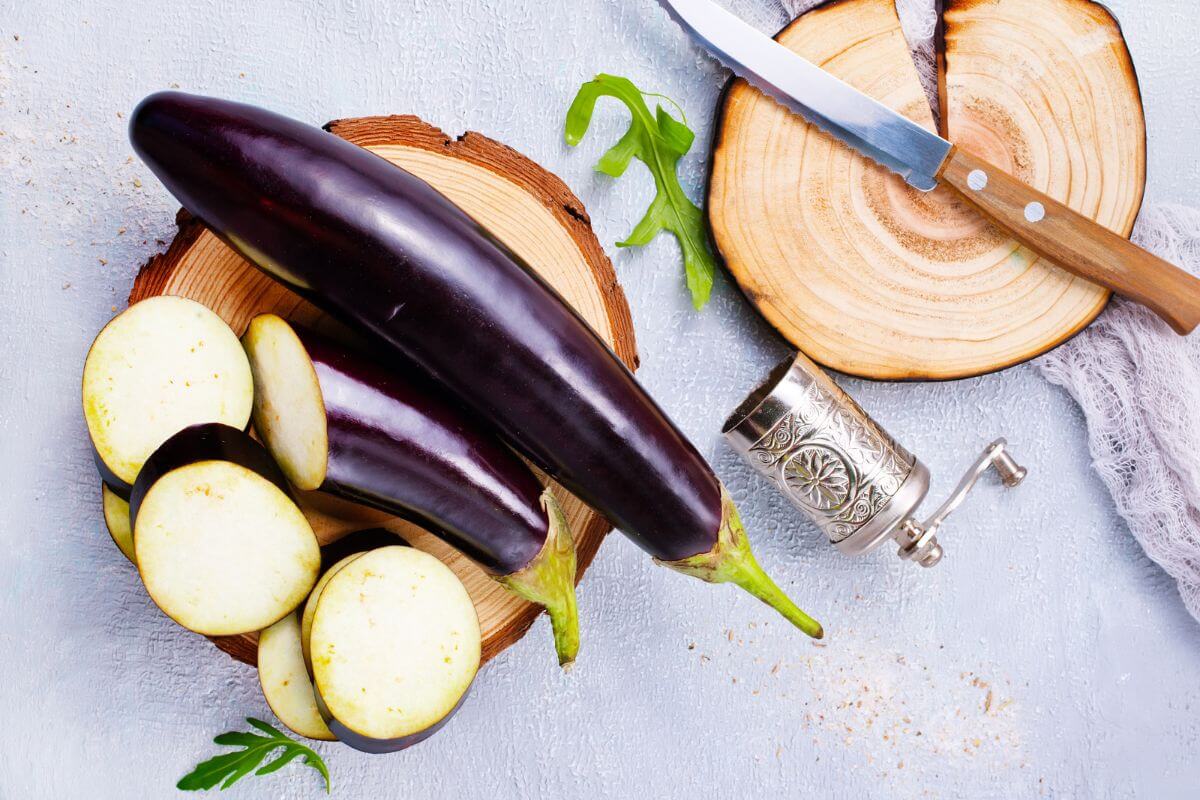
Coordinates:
338 421
384 252
361 541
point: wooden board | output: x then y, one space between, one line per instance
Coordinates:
531 211
873 278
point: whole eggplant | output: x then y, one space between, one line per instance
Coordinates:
386 439
386 253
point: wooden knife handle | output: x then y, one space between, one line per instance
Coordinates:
1074 242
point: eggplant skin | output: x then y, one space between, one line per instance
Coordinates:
209 441
384 252
117 486
358 542
367 744
396 444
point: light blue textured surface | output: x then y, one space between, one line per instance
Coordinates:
1045 604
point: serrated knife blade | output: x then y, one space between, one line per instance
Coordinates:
831 104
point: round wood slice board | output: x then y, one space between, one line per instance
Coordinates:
873 278
531 211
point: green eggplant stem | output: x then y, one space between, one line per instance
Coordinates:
732 561
549 580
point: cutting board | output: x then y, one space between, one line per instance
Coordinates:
873 278
531 211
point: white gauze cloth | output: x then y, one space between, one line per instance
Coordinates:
1138 384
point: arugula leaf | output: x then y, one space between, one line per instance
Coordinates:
232 767
657 140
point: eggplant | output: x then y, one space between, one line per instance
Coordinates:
384 252
334 556
116 519
356 543
395 646
338 421
285 681
310 605
283 663
221 546
159 366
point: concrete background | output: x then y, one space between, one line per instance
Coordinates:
1046 657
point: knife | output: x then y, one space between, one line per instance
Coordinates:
926 160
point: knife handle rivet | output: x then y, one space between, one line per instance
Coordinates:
1035 212
977 180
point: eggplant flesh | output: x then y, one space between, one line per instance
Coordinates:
285 681
338 421
394 611
310 605
383 438
205 442
159 366
334 556
116 519
384 252
221 547
284 667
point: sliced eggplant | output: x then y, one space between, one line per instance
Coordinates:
157 367
116 519
310 605
338 421
220 544
283 666
395 647
334 556
387 254
285 680
357 543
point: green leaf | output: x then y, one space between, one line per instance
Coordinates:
240 739
228 768
659 141
648 227
678 135
267 728
615 161
279 763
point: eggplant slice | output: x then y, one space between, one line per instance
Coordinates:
310 606
284 668
381 435
288 409
285 681
116 519
395 647
157 367
220 544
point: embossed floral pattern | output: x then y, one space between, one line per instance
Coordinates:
818 477
834 463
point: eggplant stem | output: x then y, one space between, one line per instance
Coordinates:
732 561
549 580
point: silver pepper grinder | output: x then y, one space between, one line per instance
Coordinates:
841 469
